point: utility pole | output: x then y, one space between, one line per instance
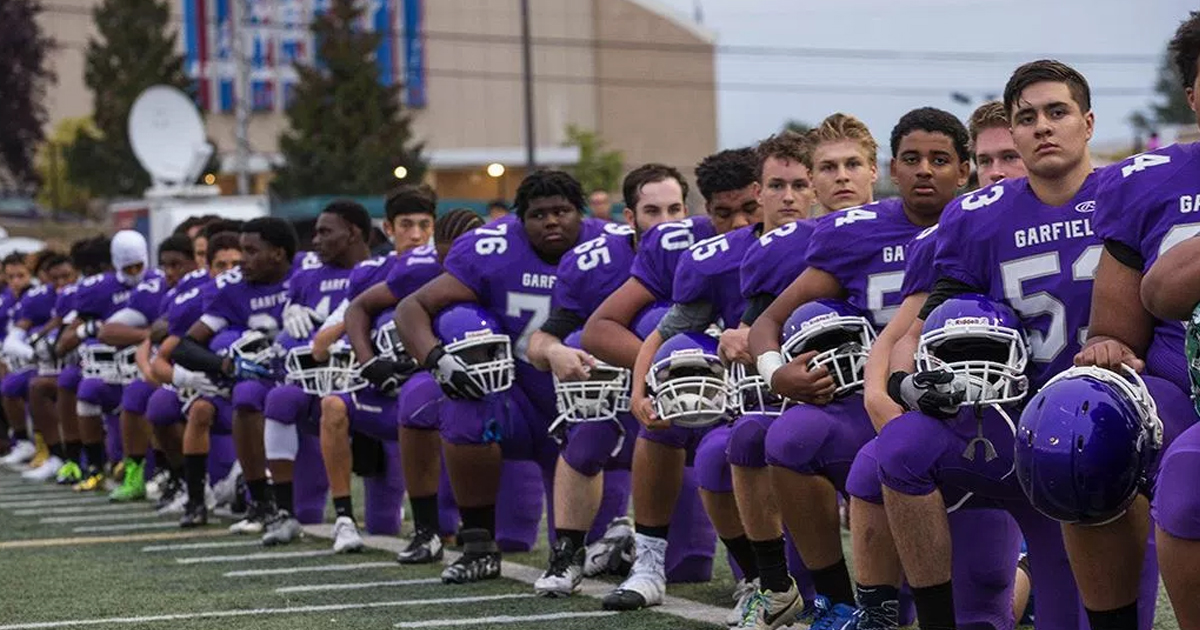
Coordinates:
241 95
527 73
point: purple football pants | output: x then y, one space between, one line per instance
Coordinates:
418 403
136 396
591 447
16 384
820 440
70 377
1176 505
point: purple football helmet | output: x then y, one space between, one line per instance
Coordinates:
600 398
388 344
839 333
687 381
647 320
473 335
980 340
1087 443
111 365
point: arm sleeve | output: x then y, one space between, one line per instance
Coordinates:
1125 254
562 322
193 355
689 317
944 289
755 306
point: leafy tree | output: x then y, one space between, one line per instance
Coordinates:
24 77
136 49
59 190
597 168
348 131
1170 106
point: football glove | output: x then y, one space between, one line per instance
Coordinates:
934 393
453 375
16 346
384 374
88 329
299 321
183 378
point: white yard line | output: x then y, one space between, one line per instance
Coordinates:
254 557
98 518
75 541
253 612
315 569
478 621
66 500
208 545
82 509
353 586
125 527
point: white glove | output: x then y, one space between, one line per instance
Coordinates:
15 345
298 321
183 378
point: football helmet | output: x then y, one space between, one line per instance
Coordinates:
48 362
646 321
474 336
254 346
337 375
980 340
109 364
749 392
600 398
388 344
839 333
687 381
1087 443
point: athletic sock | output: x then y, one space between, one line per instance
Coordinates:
344 506
1123 618
576 536
283 495
425 512
743 554
194 467
653 531
482 517
74 451
20 435
834 582
935 607
771 557
94 454
880 606
258 490
58 451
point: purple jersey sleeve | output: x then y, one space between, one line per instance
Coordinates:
863 248
147 298
186 307
776 259
8 305
919 272
710 273
660 251
226 302
412 271
369 273
591 271
64 302
37 305
101 295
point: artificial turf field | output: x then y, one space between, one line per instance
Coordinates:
70 560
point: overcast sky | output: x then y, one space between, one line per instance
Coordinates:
1114 43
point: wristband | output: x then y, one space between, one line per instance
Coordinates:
895 380
767 364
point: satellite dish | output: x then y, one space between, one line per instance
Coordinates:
167 136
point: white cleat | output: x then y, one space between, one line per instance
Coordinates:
767 610
226 489
565 573
345 536
281 529
612 554
647 582
154 487
743 592
46 472
255 521
21 453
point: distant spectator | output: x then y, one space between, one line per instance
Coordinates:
1153 144
600 204
497 209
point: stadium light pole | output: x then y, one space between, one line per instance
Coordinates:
527 77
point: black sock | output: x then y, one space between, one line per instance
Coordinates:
935 606
58 451
344 506
94 454
834 582
880 605
576 536
425 512
771 557
194 468
74 451
283 495
138 459
743 554
177 472
20 434
160 460
654 531
483 517
1123 618
258 490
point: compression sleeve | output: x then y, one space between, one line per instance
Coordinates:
944 289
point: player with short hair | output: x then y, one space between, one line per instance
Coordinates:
844 163
14 392
992 145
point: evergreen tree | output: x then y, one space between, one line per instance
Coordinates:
347 131
1171 106
23 80
134 51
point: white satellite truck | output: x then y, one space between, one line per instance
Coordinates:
168 139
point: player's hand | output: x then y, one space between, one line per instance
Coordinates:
43 348
17 348
797 382
1108 353
384 374
88 329
299 321
453 375
935 393
734 346
642 408
570 364
184 378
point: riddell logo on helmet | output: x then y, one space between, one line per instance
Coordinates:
970 321
477 333
818 320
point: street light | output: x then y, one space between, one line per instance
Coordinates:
400 172
495 169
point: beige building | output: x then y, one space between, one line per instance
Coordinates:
639 75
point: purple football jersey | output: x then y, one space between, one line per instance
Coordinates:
368 273
711 272
242 305
185 307
147 298
1039 259
660 250
321 288
591 271
1151 203
37 305
864 249
102 295
920 274
412 270
64 301
776 259
8 303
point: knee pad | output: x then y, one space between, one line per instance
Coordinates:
863 482
250 395
907 450
287 405
712 465
747 441
590 445
796 437
282 440
164 408
419 402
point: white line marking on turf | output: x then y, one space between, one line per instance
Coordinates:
270 555
75 541
125 527
97 518
250 612
81 509
66 500
34 491
316 569
478 621
208 545
353 586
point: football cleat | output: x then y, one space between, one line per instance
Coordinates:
169 491
133 486
280 529
647 581
425 548
21 452
256 518
41 451
225 490
743 593
345 536
821 614
612 554
194 516
48 470
93 480
156 484
480 559
565 573
766 610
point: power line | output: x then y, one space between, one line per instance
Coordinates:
876 54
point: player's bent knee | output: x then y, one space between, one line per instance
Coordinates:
334 415
1176 506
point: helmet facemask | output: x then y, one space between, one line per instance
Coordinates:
842 344
689 389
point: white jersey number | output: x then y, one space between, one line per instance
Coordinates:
538 306
1044 347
